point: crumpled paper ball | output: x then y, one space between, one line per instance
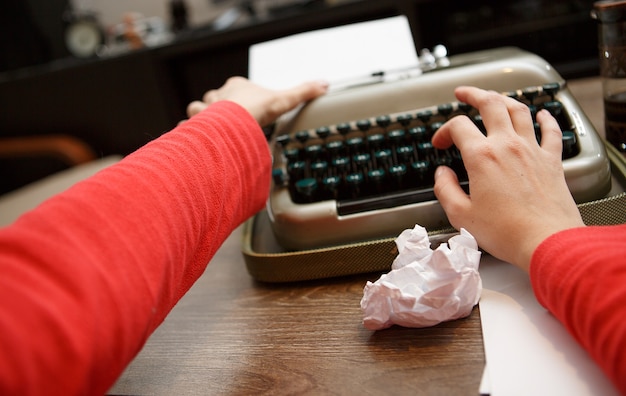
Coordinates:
425 287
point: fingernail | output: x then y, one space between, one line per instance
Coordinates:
439 171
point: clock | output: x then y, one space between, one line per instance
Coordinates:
83 37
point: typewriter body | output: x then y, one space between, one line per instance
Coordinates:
317 201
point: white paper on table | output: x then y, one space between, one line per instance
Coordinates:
334 54
528 351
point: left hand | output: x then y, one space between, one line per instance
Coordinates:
265 105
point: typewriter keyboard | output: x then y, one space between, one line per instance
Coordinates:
387 161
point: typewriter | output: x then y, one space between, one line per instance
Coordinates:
357 164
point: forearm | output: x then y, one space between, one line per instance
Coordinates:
579 276
91 273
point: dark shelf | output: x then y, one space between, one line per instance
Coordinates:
118 104
519 29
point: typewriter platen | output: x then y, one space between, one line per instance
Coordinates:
356 164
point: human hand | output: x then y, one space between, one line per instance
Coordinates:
518 194
265 105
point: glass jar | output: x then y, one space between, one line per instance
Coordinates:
611 18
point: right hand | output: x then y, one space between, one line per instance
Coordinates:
519 196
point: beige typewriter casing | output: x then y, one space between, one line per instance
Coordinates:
297 226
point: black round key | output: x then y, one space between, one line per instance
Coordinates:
397 172
554 108
319 168
323 132
354 181
313 151
434 127
341 163
302 136
334 147
364 125
551 89
445 109
306 186
376 175
444 160
343 128
296 169
383 157
570 148
425 149
283 139
530 93
421 168
404 153
424 116
375 141
355 144
383 121
396 136
292 154
331 183
404 119
361 159
419 133
279 176
464 107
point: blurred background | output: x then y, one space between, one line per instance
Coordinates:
110 75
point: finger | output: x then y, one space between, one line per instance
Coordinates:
309 90
491 105
551 134
195 107
459 131
302 93
453 199
283 101
211 96
521 118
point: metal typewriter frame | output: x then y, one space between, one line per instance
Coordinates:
296 226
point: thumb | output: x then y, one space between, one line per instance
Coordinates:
450 194
283 101
305 92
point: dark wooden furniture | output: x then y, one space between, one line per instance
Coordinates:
117 104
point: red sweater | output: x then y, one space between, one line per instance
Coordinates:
580 276
87 276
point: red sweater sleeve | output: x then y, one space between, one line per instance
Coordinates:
89 274
579 275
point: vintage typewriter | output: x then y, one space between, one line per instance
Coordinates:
357 164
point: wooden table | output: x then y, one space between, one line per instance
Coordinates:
232 335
